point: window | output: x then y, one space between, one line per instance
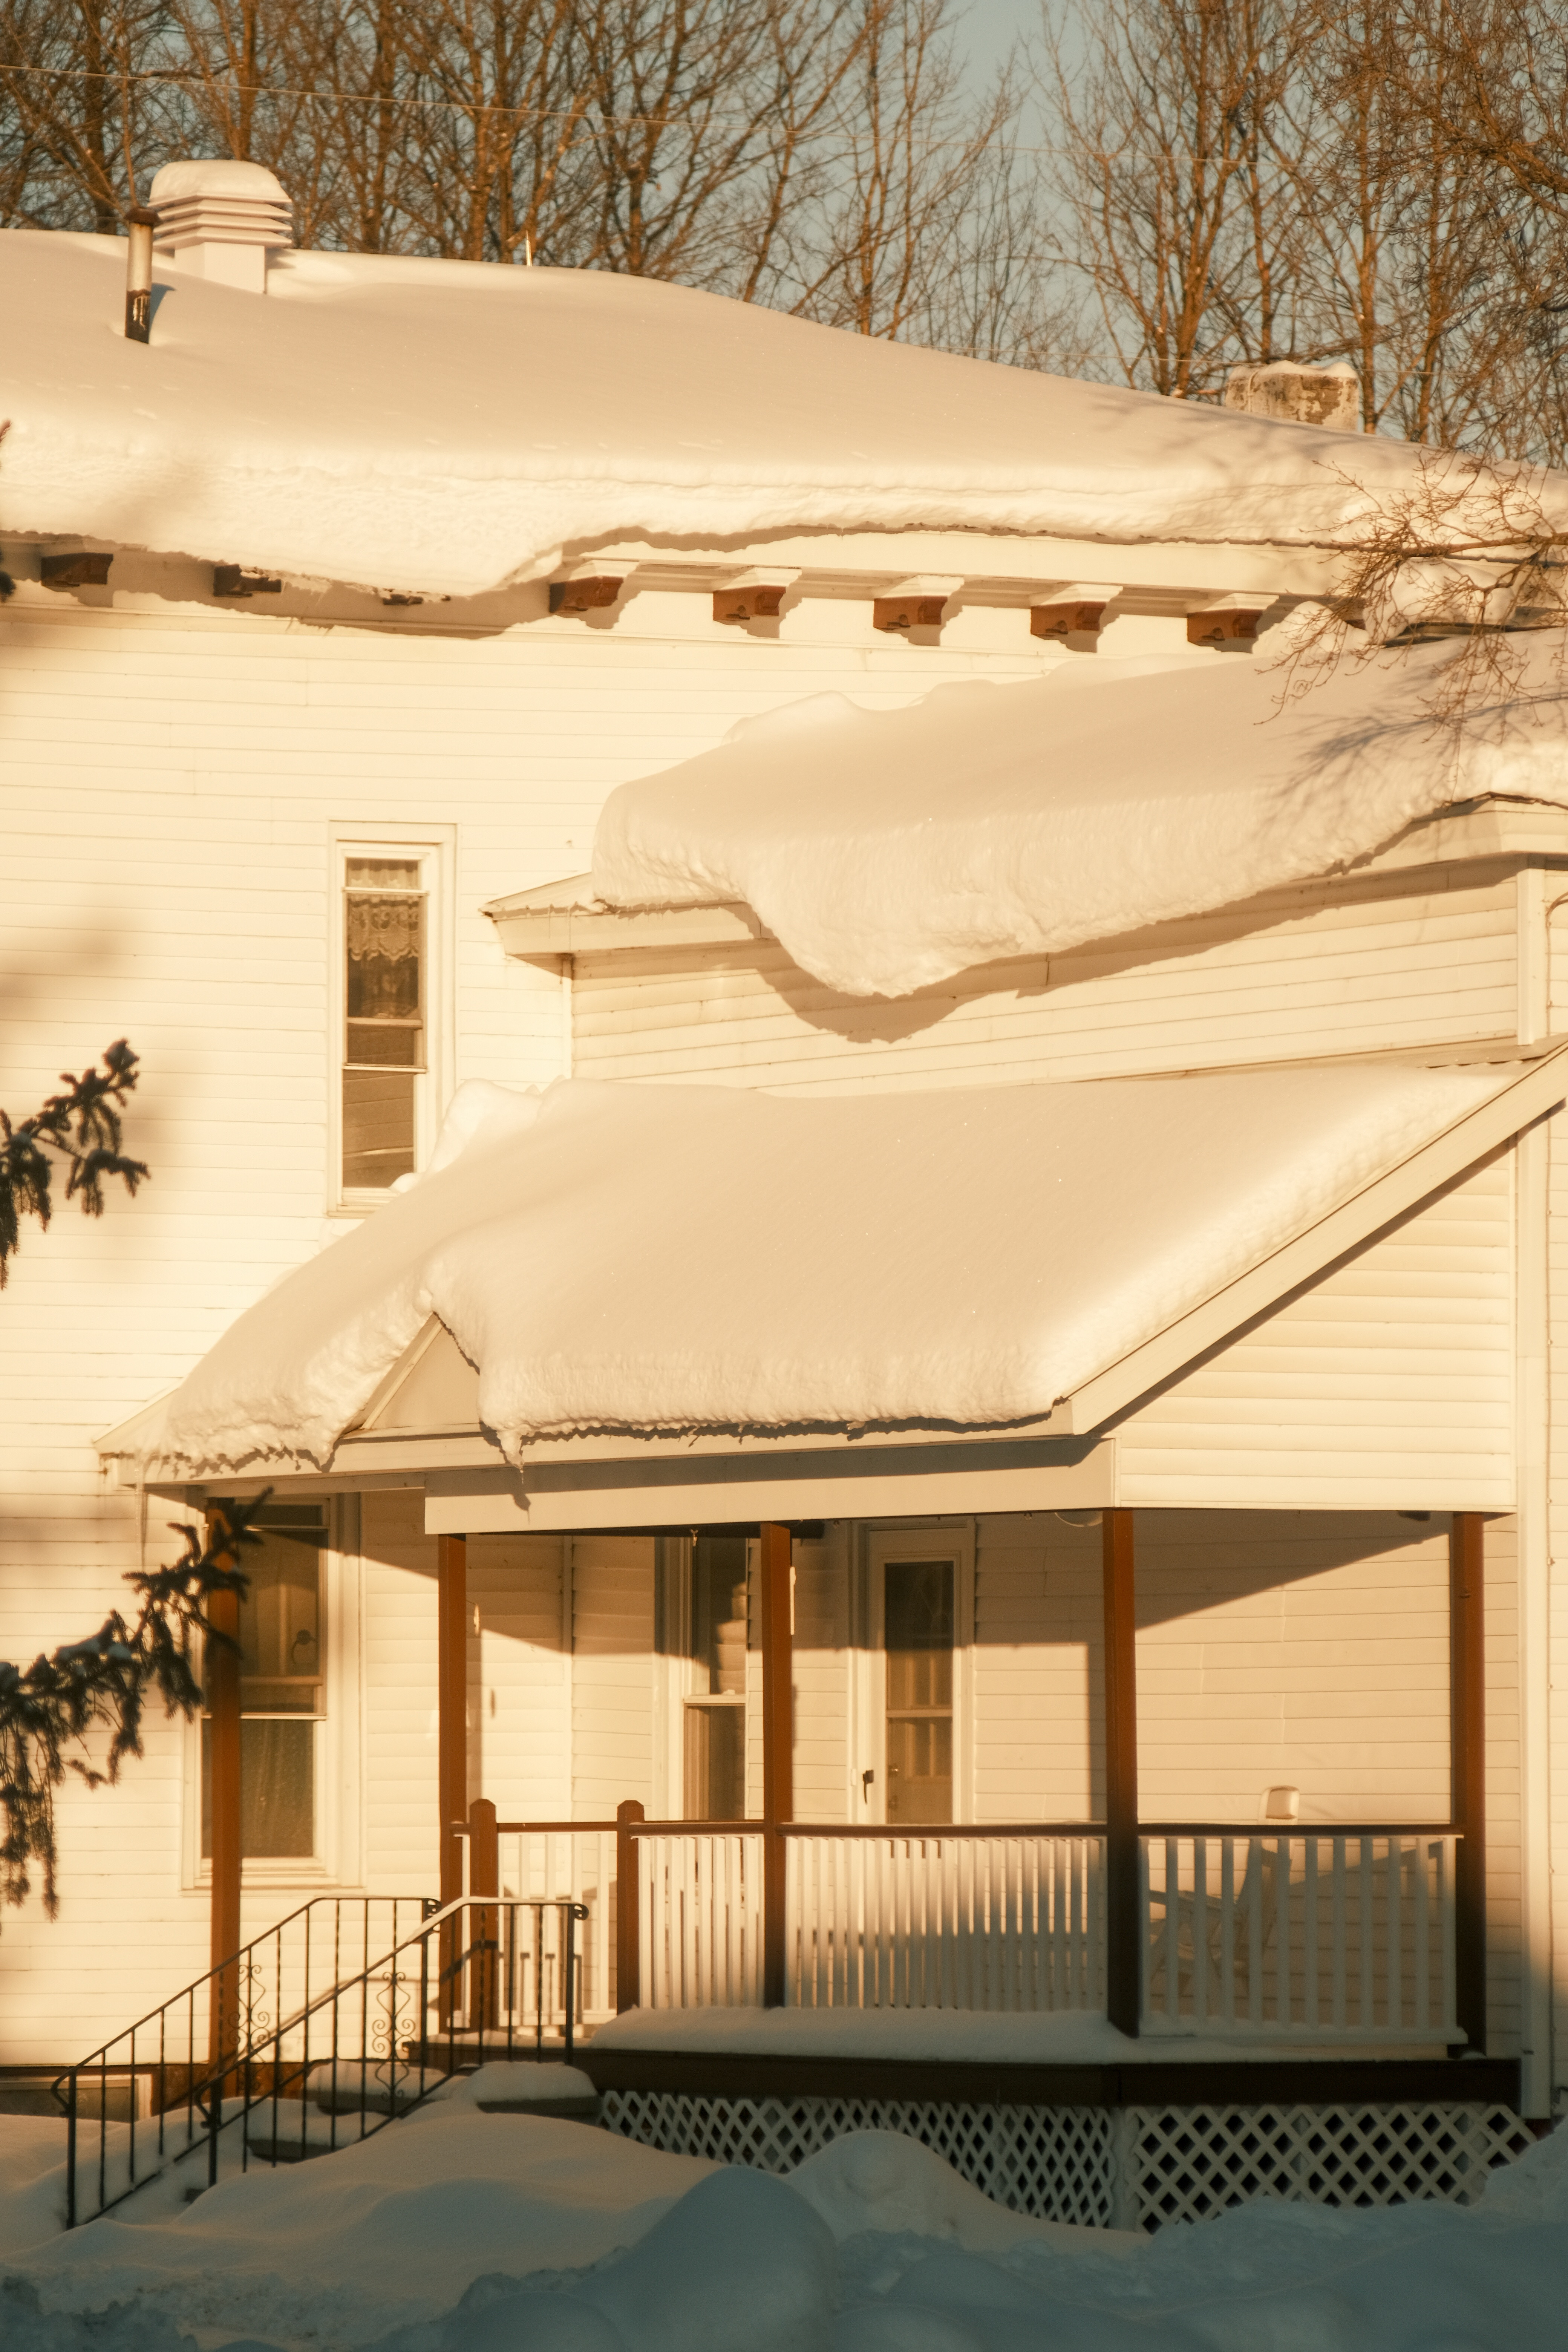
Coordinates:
385 1017
917 1619
714 1721
282 1690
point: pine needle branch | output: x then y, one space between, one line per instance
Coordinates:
104 1683
83 1127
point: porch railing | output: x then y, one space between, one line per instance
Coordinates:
700 1918
550 1863
959 1918
1326 1937
1332 1935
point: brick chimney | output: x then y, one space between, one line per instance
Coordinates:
1301 396
217 219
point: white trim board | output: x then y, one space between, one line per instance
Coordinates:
1006 1476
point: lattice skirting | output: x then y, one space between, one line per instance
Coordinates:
1129 2167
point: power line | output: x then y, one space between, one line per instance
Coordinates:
191 79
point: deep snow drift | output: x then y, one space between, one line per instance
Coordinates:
589 1256
449 426
886 850
465 2233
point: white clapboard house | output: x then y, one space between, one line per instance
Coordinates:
907 1390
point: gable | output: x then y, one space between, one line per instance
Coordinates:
1386 1383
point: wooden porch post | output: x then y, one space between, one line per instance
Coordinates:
1124 1924
452 1706
778 1749
484 1926
628 1915
222 1677
1468 1765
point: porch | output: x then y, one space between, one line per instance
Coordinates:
1268 1937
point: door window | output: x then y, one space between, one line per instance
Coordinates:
918 1623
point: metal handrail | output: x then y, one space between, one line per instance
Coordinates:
235 2087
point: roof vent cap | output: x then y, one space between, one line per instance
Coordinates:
217 219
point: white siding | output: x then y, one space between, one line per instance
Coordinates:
400 1696
1037 1686
169 776
520 1730
1379 964
821 1674
1273 1647
1309 1650
1388 1383
612 1673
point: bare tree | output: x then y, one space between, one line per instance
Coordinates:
1171 173
822 159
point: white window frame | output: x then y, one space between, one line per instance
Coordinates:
881 1541
679 1679
434 846
338 1860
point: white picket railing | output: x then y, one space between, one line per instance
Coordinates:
545 1866
1332 1935
700 1919
977 1921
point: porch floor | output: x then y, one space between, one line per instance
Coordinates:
1031 2038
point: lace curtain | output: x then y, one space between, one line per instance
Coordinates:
385 937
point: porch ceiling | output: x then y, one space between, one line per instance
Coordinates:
650 1274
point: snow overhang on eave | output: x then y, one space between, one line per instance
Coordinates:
422 1426
567 917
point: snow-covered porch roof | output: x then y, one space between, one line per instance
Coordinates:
888 850
637 1306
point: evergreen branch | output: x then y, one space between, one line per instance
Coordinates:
83 1126
104 1684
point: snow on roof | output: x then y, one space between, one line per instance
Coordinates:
687 1258
888 850
448 427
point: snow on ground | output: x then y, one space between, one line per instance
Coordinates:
447 426
467 2232
888 850
592 1267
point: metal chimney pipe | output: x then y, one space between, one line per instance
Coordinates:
139 274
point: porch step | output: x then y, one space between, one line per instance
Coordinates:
291 2131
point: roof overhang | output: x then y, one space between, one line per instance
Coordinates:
423 1425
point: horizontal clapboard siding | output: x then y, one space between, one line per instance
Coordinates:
612 1673
520 1724
1376 965
1300 1649
1387 1384
821 1676
168 778
400 1696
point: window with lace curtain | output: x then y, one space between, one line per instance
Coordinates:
385 985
